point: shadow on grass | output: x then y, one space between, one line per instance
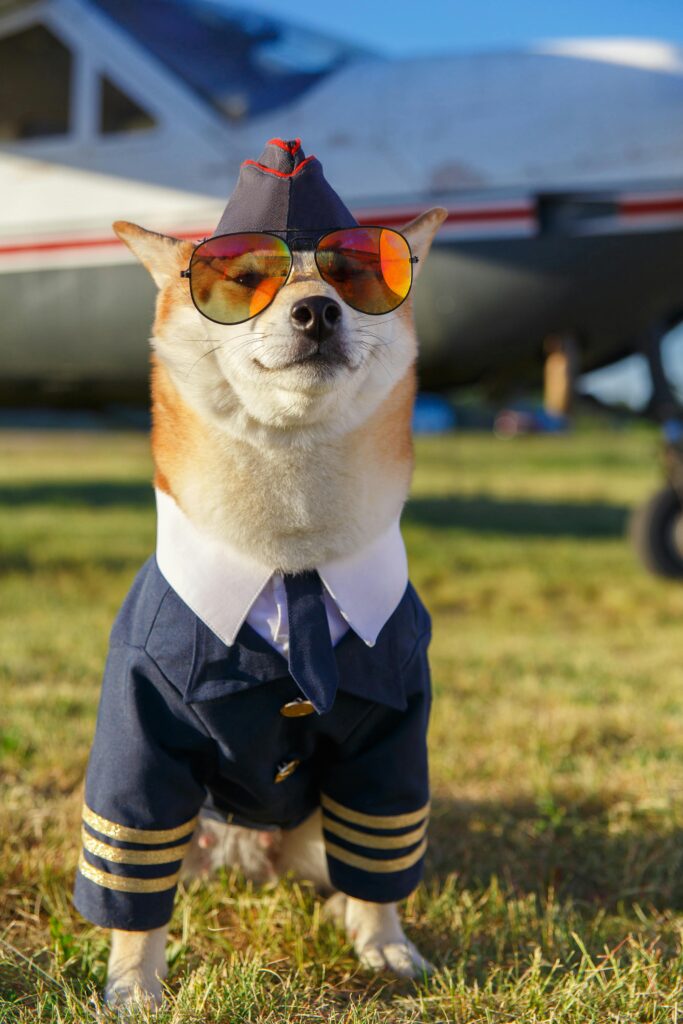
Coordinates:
479 512
518 517
93 493
582 853
27 564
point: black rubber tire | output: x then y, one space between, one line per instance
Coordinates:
653 532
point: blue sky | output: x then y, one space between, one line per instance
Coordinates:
403 27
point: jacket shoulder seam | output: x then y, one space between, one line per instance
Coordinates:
143 650
153 661
153 623
419 640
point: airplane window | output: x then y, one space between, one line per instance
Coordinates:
243 63
34 85
118 112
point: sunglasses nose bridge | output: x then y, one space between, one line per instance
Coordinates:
306 272
304 266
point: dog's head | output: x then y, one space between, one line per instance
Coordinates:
307 365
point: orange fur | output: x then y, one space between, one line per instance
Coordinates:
388 432
178 433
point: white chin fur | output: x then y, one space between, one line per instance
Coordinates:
217 371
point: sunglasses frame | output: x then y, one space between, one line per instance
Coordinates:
296 233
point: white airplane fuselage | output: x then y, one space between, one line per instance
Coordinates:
561 168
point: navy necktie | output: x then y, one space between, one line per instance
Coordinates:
311 655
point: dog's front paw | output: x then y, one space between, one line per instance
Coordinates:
402 958
379 941
137 967
130 992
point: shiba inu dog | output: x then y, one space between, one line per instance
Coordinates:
266 695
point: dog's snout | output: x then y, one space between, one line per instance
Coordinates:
316 316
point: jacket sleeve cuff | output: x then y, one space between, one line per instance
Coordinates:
374 857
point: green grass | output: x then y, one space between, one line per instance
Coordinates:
554 888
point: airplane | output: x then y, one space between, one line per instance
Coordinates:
560 164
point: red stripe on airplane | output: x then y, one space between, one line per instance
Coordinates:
455 217
474 216
644 207
479 215
79 243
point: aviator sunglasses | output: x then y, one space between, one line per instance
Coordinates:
234 277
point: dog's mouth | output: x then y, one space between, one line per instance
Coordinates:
322 362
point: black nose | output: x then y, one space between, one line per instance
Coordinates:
316 316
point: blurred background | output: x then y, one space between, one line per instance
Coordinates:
549 426
552 134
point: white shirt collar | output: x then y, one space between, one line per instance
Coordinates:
220 584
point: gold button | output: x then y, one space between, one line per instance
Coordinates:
297 708
285 769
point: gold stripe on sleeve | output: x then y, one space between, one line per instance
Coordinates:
374 820
374 842
149 836
376 866
122 884
118 856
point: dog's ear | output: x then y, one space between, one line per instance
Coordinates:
162 255
420 234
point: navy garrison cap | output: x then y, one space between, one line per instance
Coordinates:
284 190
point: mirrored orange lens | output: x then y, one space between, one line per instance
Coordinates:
370 268
234 277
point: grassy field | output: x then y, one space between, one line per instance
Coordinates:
554 889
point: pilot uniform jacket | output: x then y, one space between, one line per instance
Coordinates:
187 723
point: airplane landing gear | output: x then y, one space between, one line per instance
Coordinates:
657 527
559 374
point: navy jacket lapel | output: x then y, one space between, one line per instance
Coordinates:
220 670
373 673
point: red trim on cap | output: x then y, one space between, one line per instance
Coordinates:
292 148
278 174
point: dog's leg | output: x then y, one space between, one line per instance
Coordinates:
379 940
374 928
137 964
137 967
302 852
